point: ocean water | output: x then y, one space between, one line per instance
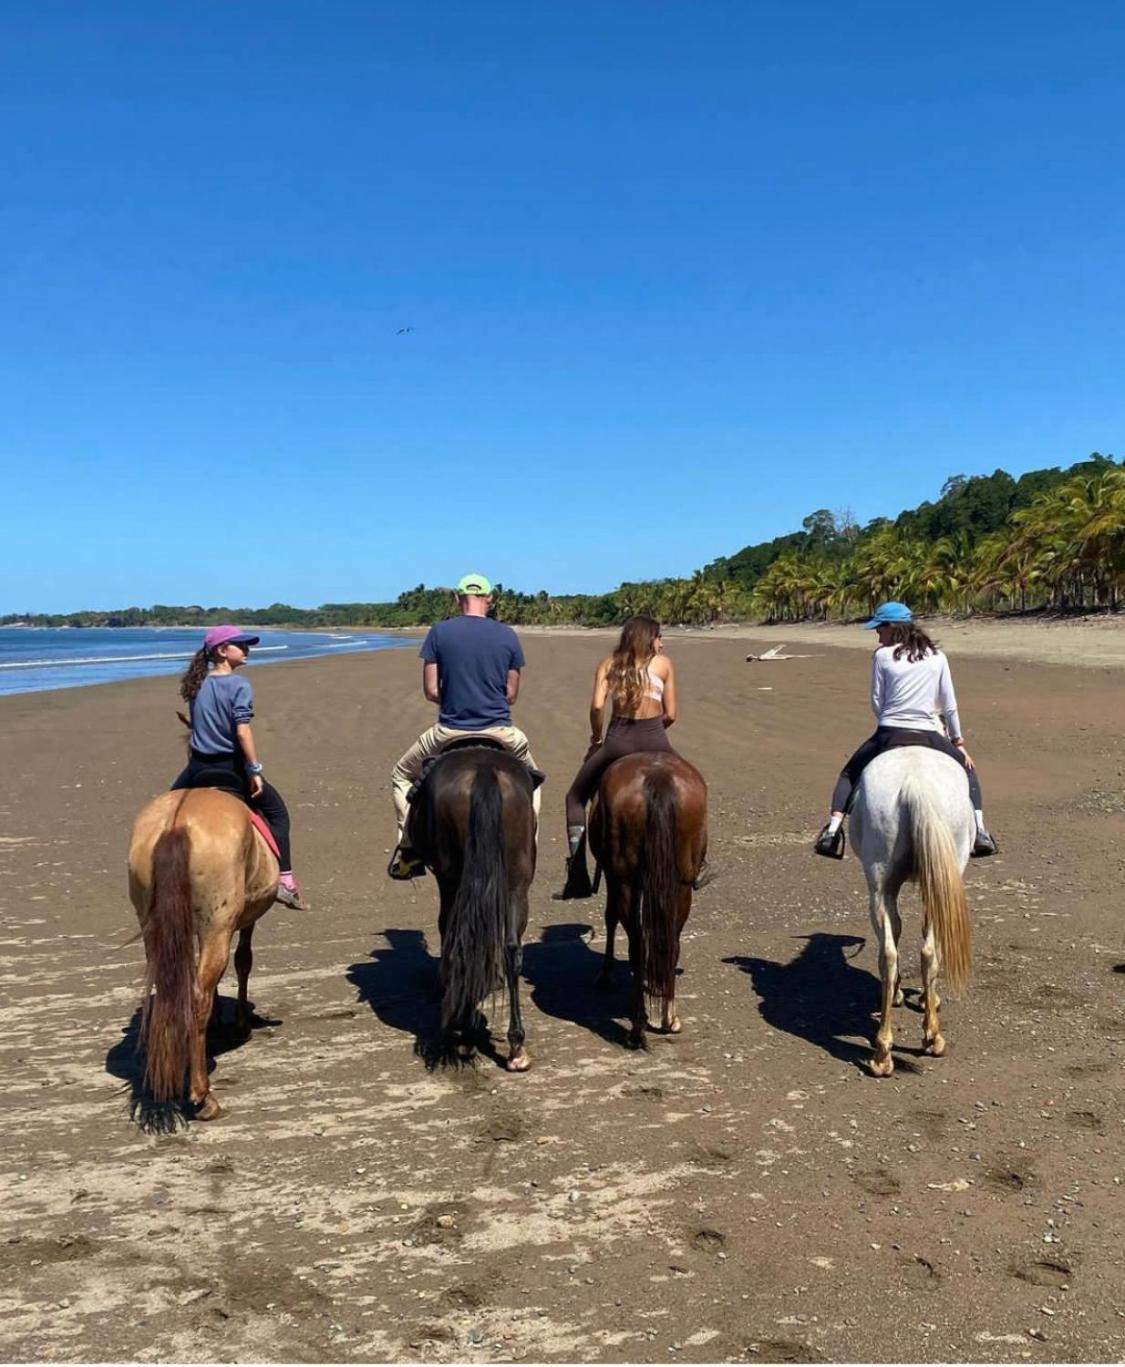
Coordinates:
33 659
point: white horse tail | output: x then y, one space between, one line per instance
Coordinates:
937 870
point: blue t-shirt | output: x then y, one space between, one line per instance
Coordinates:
473 656
222 702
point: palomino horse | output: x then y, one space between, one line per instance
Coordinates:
912 819
198 871
473 824
648 832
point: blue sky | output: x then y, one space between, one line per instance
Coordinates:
677 274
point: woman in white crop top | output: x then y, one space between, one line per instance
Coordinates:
911 695
639 681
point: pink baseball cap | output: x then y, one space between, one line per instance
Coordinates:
228 636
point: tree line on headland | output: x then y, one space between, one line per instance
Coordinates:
1054 539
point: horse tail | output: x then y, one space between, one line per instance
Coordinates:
168 1014
938 871
659 887
473 948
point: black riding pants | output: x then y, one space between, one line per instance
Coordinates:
890 738
228 772
622 737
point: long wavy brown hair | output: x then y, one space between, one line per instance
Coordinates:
909 638
192 679
628 670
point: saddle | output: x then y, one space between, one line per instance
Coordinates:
468 743
225 781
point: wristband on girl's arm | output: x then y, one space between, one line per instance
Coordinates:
254 768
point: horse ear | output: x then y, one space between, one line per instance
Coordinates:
184 719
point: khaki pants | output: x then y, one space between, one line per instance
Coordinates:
409 768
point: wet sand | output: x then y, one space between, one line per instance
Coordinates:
742 1192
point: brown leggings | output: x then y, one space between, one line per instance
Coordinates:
623 737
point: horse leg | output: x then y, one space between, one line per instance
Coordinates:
891 900
604 980
213 955
882 1062
518 1060
631 917
933 1041
670 1023
243 963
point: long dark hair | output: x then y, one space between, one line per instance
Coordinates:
909 637
627 671
192 680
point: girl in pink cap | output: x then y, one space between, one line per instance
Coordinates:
223 754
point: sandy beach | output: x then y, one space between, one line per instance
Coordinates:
742 1192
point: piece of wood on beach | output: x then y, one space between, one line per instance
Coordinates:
774 653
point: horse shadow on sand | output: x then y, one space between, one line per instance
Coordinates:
125 1061
401 983
562 970
822 997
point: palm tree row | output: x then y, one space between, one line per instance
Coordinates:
1066 549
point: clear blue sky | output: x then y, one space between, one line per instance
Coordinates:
677 274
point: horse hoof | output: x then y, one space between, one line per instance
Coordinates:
674 1026
209 1108
935 1046
518 1063
636 1040
882 1067
898 997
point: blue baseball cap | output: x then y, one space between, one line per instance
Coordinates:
888 613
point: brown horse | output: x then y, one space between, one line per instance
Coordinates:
198 871
648 832
474 825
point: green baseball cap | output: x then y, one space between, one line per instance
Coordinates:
474 583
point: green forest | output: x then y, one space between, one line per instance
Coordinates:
1052 539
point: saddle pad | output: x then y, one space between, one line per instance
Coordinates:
265 832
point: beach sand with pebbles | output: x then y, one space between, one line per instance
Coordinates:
741 1192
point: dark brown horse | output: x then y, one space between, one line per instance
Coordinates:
648 832
473 824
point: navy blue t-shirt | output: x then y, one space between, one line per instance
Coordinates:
473 656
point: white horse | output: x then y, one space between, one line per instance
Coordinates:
912 819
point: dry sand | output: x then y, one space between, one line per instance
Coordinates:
742 1192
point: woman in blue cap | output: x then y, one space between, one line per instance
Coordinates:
910 687
222 751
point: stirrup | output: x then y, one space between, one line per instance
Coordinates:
291 897
577 883
830 843
405 865
983 845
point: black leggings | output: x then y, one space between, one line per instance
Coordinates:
622 737
229 773
890 738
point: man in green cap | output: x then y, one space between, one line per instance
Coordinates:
471 669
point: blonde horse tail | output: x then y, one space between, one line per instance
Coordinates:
939 875
168 1014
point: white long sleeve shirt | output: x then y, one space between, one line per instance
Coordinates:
911 695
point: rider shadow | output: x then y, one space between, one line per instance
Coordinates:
123 1060
561 969
820 996
400 984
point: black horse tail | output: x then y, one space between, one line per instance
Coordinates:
660 887
473 948
168 1012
